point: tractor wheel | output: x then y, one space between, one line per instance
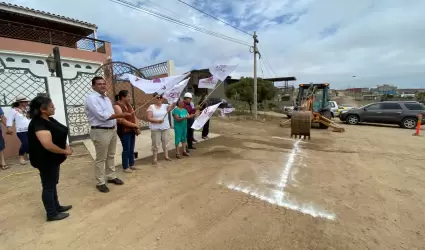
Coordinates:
301 124
328 115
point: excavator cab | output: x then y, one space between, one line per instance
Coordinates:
312 106
319 92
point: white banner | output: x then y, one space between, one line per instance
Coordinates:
220 72
208 83
226 111
159 85
205 116
173 94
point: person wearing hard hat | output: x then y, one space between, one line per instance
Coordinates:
187 99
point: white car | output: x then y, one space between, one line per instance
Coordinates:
287 110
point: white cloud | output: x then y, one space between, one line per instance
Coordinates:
379 41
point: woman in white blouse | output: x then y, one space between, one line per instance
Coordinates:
159 126
18 114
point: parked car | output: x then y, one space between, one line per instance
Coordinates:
343 107
334 108
403 113
287 110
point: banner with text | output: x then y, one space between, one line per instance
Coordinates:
173 94
159 85
208 83
205 116
220 72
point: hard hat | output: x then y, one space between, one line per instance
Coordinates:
187 95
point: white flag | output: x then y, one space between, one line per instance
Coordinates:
159 85
173 94
205 116
208 83
220 72
225 111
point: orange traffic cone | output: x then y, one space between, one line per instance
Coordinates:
418 126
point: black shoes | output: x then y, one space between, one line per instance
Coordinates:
116 181
62 209
59 216
104 189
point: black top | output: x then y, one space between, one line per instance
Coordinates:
39 156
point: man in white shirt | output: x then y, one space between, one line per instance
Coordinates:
102 119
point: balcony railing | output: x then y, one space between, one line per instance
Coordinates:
37 34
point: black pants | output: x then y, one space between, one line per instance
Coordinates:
206 129
190 133
49 180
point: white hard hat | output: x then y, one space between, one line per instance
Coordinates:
187 95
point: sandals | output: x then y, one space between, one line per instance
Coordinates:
178 156
4 167
185 154
168 159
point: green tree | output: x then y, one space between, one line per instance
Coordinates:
420 96
244 91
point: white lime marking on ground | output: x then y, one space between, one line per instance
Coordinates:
278 195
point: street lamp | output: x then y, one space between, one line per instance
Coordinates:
51 64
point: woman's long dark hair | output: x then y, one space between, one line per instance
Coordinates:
121 94
15 104
38 103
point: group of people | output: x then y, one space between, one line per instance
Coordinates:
44 139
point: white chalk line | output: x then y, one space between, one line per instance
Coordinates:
278 197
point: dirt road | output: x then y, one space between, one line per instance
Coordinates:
251 188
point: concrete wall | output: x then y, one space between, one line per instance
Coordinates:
13 84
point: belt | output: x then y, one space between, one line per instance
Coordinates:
99 127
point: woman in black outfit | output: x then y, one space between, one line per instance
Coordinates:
206 128
48 149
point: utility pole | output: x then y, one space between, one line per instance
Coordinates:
255 74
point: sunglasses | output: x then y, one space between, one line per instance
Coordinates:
159 97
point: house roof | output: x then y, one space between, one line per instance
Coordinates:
281 79
33 12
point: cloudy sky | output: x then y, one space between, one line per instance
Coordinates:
378 41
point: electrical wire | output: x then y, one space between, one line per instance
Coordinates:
267 63
216 18
176 21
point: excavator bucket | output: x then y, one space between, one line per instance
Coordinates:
301 124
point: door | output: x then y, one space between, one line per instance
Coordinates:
372 113
392 112
334 107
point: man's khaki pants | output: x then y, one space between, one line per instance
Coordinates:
105 143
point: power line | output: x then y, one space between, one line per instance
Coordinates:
216 18
268 63
266 68
176 21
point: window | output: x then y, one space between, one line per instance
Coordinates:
25 61
10 59
39 62
390 106
65 65
414 106
375 106
332 104
78 66
88 67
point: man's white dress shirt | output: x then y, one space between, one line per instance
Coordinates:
98 109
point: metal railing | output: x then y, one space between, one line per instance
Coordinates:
37 34
158 69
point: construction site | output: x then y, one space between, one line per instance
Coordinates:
252 187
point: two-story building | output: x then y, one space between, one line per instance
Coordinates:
27 38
